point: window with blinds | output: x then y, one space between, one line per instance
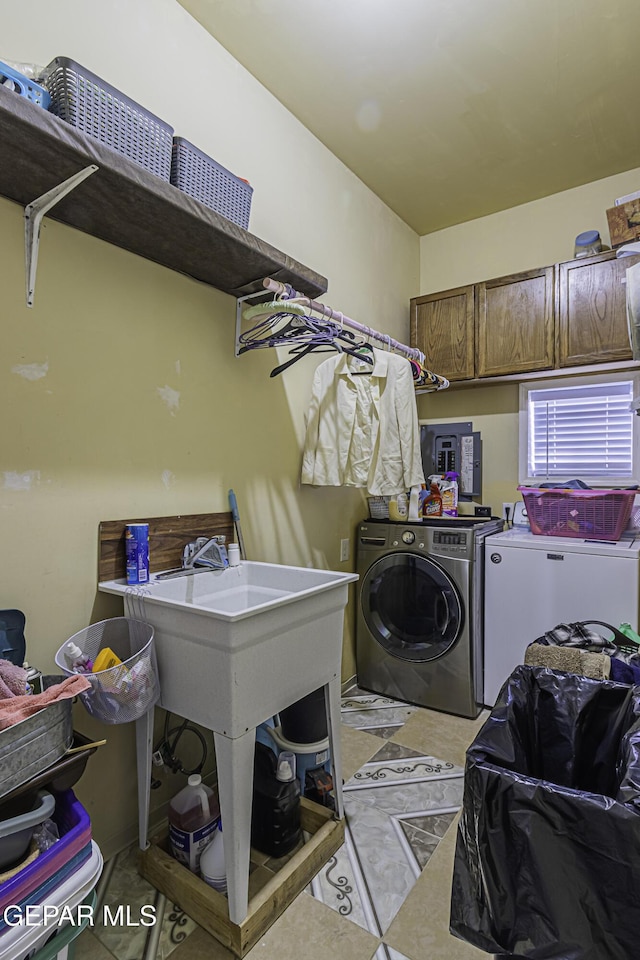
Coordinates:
579 430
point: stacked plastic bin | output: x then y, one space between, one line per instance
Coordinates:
64 875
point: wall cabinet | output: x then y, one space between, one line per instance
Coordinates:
442 327
566 315
514 324
592 316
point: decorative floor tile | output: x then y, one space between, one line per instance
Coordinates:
385 952
395 751
388 867
126 889
398 806
405 770
339 884
436 825
392 716
422 844
176 927
382 716
414 798
369 701
385 733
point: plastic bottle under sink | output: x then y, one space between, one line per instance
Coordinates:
194 815
275 816
212 867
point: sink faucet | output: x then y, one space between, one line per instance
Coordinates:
205 552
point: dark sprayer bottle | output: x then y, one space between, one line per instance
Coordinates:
275 818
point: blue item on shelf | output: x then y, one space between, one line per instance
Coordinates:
23 86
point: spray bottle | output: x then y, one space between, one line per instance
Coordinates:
77 661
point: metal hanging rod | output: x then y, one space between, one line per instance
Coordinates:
278 288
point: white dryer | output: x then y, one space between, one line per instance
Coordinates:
533 583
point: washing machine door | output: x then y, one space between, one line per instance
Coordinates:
411 606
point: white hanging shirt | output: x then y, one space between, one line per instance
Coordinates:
362 428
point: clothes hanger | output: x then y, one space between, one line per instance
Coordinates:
281 329
322 345
365 353
276 326
299 353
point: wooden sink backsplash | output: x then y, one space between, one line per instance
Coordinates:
167 538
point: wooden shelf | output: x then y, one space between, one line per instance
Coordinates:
130 207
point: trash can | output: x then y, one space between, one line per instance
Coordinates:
547 862
306 720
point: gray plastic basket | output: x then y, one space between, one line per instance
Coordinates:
99 110
17 825
124 692
193 172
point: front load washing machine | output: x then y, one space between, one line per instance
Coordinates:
419 619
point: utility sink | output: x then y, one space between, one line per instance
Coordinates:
234 593
235 647
223 636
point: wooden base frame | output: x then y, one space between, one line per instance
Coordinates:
209 908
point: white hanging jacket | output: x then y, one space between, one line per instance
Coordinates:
362 427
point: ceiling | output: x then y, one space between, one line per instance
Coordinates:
450 109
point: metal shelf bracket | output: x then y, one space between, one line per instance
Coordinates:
34 213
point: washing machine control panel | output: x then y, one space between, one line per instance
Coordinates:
447 540
408 539
453 543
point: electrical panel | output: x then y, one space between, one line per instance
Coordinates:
454 447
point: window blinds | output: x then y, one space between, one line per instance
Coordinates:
581 432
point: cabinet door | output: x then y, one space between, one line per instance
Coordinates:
592 310
514 328
442 327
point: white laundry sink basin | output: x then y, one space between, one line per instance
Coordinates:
235 646
236 592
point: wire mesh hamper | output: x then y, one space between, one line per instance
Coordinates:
99 110
129 690
193 172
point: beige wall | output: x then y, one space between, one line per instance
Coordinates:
532 235
120 391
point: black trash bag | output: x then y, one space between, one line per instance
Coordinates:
547 862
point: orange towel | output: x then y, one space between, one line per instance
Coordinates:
15 709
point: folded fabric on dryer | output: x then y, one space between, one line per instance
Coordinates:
569 659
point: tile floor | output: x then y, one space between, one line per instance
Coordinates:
385 893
